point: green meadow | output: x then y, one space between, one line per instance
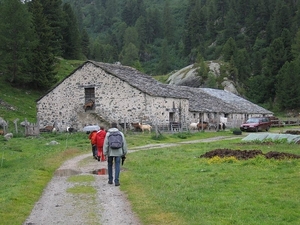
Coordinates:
170 185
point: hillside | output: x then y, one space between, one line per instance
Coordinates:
257 39
18 103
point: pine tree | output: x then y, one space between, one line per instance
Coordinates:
131 36
16 40
164 63
229 49
296 45
71 37
154 25
242 63
85 43
42 61
129 55
168 23
52 9
141 28
275 59
195 28
230 25
288 85
110 12
132 10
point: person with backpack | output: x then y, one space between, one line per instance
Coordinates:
115 148
100 136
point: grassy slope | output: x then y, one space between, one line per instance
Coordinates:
20 104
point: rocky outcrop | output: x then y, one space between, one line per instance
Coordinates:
187 76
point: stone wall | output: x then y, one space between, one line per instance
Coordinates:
115 100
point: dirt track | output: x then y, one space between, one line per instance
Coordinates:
109 206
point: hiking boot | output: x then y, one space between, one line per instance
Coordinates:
110 182
117 184
98 158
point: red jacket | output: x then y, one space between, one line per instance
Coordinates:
92 137
100 136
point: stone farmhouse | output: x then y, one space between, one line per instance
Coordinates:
101 93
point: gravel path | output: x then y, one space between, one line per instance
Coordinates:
57 206
108 207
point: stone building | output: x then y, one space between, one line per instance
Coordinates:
98 93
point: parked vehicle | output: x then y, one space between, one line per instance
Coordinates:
256 124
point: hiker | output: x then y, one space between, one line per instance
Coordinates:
92 137
100 136
114 148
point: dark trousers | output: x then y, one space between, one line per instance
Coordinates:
94 150
110 161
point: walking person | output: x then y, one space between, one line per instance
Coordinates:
92 137
114 148
100 136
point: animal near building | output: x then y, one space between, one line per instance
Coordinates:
97 93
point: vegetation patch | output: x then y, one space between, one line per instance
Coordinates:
297 132
81 189
247 154
81 178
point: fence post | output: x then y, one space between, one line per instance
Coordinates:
16 125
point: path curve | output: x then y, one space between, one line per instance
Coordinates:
109 206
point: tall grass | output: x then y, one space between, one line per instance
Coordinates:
175 186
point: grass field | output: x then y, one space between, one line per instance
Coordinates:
171 185
175 186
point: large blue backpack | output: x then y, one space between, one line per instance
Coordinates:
115 140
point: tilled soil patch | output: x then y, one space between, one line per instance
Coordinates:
297 132
248 154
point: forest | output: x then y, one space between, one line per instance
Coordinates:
256 42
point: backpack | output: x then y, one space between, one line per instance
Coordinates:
115 140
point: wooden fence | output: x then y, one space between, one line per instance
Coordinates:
285 122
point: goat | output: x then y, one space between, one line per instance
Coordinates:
136 126
198 126
193 126
71 129
222 126
202 125
47 129
145 127
8 136
89 105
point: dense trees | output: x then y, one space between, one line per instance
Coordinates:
32 35
40 67
257 41
16 40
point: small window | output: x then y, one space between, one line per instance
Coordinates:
89 96
171 117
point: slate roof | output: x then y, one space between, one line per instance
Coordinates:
239 104
141 81
200 99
